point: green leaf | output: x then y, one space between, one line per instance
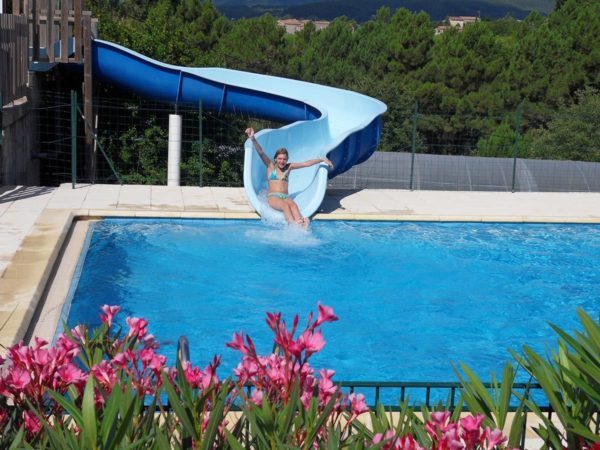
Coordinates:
252 413
505 394
126 419
515 434
55 435
17 442
316 426
68 406
161 439
216 418
110 415
233 442
88 410
288 413
475 395
183 413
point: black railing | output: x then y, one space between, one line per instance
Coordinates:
414 390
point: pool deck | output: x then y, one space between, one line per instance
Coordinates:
35 221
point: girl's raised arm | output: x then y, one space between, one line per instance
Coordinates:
311 162
259 149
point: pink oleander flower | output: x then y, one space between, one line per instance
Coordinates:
438 425
109 313
210 374
237 343
325 315
105 375
285 340
311 342
20 355
273 321
151 360
379 437
358 405
406 442
326 387
3 418
246 369
150 342
32 422
18 379
138 327
305 398
40 357
471 430
493 438
440 418
257 397
193 375
69 374
276 371
78 333
38 343
67 347
450 439
121 360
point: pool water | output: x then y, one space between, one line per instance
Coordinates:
412 298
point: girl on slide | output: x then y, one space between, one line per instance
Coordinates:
278 171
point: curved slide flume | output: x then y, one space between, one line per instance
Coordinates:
323 121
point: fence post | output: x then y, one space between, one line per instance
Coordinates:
1 119
201 165
414 144
90 155
35 20
73 139
516 145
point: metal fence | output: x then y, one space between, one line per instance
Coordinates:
402 170
132 141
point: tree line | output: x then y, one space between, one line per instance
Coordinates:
470 90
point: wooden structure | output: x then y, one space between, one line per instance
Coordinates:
38 32
13 57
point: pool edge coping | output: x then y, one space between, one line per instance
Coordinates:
26 278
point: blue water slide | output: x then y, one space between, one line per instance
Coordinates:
322 121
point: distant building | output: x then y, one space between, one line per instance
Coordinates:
456 22
295 25
460 21
441 28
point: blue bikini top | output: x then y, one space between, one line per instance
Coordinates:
273 176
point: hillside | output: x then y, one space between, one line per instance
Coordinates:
362 11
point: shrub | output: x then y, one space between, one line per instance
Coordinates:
112 389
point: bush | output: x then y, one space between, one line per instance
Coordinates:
110 389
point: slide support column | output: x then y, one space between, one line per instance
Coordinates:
173 171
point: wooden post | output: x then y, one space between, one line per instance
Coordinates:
64 31
50 30
87 95
35 19
78 6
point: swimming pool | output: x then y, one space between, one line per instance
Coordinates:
412 298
